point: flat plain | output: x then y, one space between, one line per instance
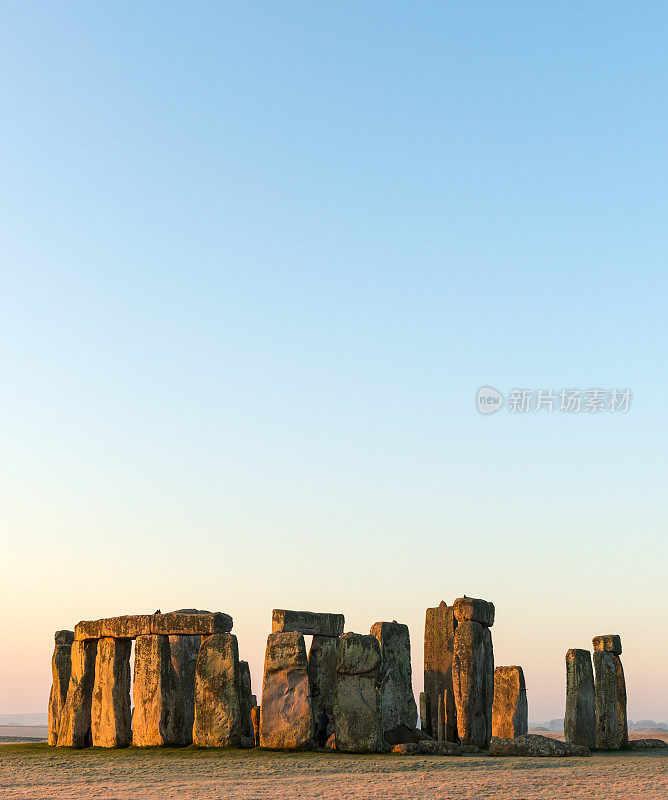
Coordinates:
36 771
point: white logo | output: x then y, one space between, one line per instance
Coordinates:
488 400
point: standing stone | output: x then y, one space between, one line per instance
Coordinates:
184 651
61 669
75 717
245 699
286 720
439 641
580 717
110 711
488 681
425 712
469 675
609 643
396 683
158 705
607 725
622 722
255 717
357 700
509 712
440 725
217 692
322 677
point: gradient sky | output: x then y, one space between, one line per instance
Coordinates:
258 258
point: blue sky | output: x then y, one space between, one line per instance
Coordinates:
257 260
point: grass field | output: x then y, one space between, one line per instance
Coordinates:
38 771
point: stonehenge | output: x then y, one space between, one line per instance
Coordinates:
189 686
509 709
61 669
580 718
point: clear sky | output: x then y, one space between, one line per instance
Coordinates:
257 258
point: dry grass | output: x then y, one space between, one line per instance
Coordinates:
37 771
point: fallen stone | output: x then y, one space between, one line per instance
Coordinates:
110 710
255 718
61 669
75 721
646 744
218 721
184 651
439 642
308 623
609 643
198 623
509 710
406 749
357 700
158 705
531 744
402 734
622 722
580 717
469 749
439 748
607 726
396 684
245 700
286 721
322 677
470 681
474 610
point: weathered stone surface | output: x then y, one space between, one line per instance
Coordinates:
647 744
470 675
184 623
331 742
128 627
357 701
255 718
609 643
509 710
61 669
218 720
402 734
184 651
245 699
439 748
286 720
488 683
75 723
322 677
607 726
406 749
440 724
580 717
536 746
622 722
439 642
396 684
110 709
308 623
191 623
158 705
474 610
425 712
